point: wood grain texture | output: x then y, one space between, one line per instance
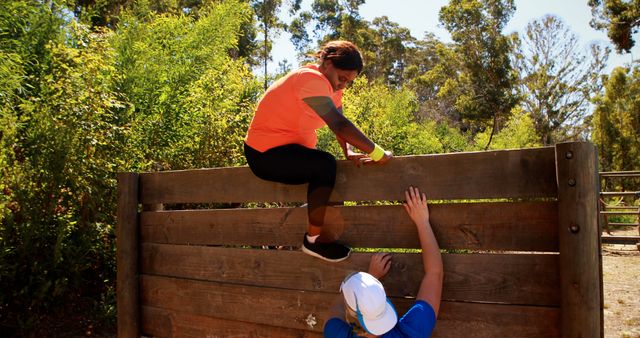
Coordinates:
501 278
127 252
521 173
579 240
287 309
523 226
161 323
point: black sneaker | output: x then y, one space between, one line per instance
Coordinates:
330 252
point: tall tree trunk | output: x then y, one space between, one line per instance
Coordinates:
266 53
493 130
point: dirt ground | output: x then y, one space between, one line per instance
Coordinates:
621 278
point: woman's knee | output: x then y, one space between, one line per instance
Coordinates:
327 161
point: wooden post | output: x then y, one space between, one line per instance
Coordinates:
579 241
127 256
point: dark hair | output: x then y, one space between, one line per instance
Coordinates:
343 54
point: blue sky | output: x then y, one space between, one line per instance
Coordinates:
421 16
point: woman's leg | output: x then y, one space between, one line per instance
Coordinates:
296 164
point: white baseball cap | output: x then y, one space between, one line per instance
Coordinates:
365 295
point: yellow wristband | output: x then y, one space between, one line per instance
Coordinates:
377 154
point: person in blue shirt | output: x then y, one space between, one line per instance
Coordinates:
363 309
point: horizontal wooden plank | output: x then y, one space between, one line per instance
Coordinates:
471 320
623 224
620 212
630 173
627 240
619 193
522 173
522 226
308 310
529 279
161 323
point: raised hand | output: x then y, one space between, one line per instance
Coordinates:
380 264
416 206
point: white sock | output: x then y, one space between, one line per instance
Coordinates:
312 239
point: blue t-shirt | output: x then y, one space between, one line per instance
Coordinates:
418 322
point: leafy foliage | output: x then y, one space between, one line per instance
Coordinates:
178 78
56 237
388 116
557 80
485 85
90 88
80 105
616 121
519 132
621 19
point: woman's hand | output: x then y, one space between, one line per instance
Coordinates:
380 264
357 158
416 206
385 158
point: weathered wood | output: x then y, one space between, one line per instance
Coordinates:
294 309
471 320
619 212
127 256
619 193
523 226
160 323
628 240
521 173
222 284
579 240
456 320
502 278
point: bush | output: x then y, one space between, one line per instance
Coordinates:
81 105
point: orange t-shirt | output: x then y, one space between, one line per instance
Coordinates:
283 118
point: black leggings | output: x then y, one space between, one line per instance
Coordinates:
296 164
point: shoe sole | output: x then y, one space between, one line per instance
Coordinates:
314 254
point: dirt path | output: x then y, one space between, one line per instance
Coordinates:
621 277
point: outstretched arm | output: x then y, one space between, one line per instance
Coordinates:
341 126
351 154
431 286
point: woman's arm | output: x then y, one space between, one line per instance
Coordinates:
350 154
341 126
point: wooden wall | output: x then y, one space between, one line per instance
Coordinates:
499 215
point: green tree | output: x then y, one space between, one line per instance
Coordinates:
432 72
389 117
616 121
270 26
64 144
81 103
331 20
486 83
518 132
621 19
385 46
557 79
185 90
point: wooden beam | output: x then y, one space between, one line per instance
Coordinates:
522 226
502 278
635 173
161 323
305 310
524 173
628 240
579 239
127 256
619 193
